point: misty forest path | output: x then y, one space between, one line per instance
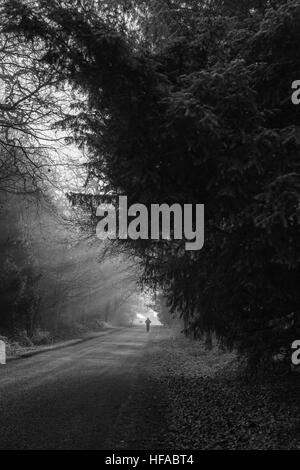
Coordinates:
70 398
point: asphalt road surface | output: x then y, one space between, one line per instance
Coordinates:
69 398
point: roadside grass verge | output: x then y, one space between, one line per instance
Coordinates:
211 405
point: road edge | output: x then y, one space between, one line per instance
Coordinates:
64 344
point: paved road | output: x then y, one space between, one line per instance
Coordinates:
69 398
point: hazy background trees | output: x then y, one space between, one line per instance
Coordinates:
51 276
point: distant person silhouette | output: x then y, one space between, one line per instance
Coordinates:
148 324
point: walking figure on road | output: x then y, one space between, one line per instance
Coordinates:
148 324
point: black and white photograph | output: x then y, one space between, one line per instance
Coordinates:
150 228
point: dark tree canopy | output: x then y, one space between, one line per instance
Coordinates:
194 112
